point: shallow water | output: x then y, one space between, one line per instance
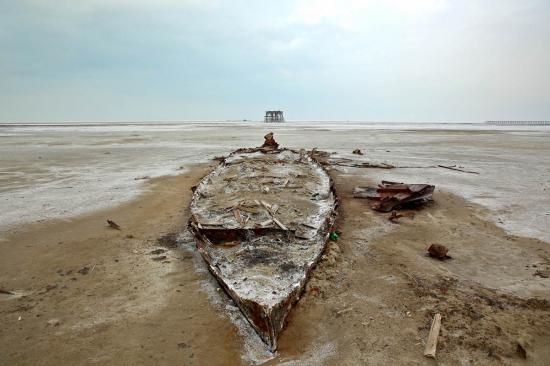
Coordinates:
57 171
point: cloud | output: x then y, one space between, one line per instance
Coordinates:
356 14
349 59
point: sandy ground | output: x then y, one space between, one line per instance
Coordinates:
88 294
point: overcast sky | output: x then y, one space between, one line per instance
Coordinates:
395 60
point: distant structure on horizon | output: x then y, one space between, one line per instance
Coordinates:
274 116
518 123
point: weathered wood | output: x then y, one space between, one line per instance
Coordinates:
458 170
431 344
113 224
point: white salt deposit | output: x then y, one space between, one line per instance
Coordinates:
64 170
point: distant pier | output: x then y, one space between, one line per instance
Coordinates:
274 116
518 123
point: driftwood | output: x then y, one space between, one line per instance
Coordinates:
113 224
364 165
431 344
458 170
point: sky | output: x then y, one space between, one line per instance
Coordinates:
374 60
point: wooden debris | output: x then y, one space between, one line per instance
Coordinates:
238 216
158 259
113 224
542 273
363 165
269 143
457 169
344 311
394 216
279 224
389 196
438 251
431 344
266 222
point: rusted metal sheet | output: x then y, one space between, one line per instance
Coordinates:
261 220
389 196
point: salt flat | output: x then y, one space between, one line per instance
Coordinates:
51 171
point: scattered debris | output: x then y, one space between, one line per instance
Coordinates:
357 152
142 177
520 350
333 236
169 241
157 251
84 270
6 292
113 224
344 311
431 343
394 216
542 273
50 287
359 164
53 322
391 195
182 345
438 251
269 143
158 259
129 236
457 169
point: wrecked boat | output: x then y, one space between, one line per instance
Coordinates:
261 220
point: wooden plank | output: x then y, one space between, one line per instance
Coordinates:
431 344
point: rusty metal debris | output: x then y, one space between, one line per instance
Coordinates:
389 196
261 244
438 251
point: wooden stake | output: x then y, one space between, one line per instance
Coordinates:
431 344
